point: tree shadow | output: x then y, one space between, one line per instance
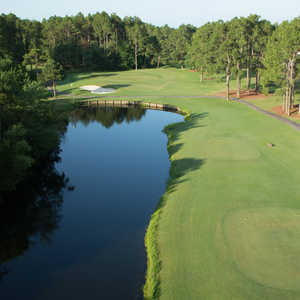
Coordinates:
73 77
173 131
67 92
115 86
172 149
89 76
181 167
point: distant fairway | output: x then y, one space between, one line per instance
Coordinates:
228 226
143 82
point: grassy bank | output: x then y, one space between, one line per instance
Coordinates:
228 226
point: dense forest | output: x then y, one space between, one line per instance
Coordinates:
34 53
30 130
98 41
263 50
254 46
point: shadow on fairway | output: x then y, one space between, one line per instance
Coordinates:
89 76
73 77
172 149
66 92
115 86
180 167
175 130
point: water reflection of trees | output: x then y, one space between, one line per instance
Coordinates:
107 115
32 212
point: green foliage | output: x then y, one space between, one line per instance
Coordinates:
68 40
34 91
201 54
11 78
151 287
11 42
282 46
29 129
230 47
265 90
52 71
280 60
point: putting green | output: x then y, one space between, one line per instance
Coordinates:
264 244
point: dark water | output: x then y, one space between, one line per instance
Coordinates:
87 241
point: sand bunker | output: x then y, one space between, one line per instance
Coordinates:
89 88
95 89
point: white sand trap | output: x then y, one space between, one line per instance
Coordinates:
101 90
95 89
90 88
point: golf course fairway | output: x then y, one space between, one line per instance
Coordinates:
228 225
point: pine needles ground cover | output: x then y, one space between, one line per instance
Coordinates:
228 226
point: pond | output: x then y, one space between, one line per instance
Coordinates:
87 241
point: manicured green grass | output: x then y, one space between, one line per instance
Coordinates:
228 226
143 82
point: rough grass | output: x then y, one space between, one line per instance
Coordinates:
151 287
269 103
228 226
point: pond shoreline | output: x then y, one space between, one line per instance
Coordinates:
125 103
152 283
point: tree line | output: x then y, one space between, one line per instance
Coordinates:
251 46
268 52
99 41
30 129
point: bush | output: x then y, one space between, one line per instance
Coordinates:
265 90
278 92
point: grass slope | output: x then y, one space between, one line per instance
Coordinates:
228 226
